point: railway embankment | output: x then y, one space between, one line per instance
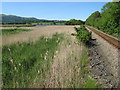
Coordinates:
104 60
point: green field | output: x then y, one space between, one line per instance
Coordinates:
47 23
13 31
32 24
20 25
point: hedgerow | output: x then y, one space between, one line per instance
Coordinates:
83 34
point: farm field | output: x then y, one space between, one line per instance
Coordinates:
13 31
45 57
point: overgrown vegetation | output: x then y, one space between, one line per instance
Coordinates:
22 62
81 77
108 20
88 80
20 25
74 22
83 34
13 31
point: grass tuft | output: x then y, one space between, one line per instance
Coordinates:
23 62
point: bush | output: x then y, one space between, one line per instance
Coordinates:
83 34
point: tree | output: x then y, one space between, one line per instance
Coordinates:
74 22
92 18
108 20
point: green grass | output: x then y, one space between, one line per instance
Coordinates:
84 61
42 23
23 62
60 24
22 25
47 23
89 81
13 31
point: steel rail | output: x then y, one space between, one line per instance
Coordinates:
111 40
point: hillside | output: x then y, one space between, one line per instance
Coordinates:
18 19
13 18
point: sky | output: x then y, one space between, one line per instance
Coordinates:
52 10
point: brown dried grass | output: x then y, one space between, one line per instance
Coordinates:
37 32
65 70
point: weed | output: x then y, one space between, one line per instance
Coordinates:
83 34
90 83
23 62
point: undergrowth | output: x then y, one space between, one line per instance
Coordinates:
22 62
89 81
83 36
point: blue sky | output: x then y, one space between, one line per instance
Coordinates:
52 10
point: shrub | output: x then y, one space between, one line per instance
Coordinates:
83 34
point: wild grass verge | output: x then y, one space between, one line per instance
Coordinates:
13 31
89 81
23 62
83 36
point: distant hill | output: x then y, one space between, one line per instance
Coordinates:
13 19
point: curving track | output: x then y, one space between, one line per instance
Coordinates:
113 41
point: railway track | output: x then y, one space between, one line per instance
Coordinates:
113 41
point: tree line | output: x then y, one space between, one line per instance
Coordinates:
74 22
108 20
